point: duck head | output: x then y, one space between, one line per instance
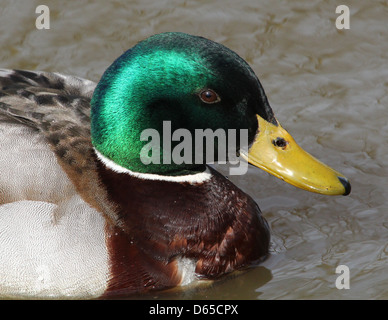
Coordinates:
194 83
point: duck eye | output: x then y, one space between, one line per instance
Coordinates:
209 96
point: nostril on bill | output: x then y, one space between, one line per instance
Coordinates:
279 142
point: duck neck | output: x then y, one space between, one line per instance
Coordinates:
211 223
192 178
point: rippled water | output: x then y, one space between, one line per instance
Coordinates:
328 87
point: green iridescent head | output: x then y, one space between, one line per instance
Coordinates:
193 82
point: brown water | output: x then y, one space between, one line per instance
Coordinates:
328 87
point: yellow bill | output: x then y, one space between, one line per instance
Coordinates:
275 151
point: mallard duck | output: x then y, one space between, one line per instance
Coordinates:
82 216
